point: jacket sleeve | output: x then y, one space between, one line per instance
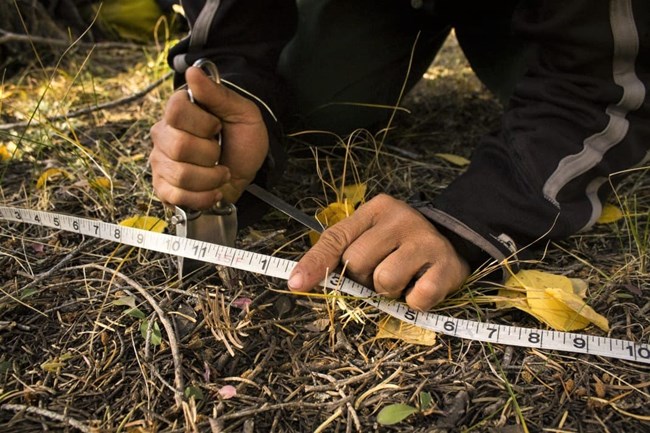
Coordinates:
578 117
244 38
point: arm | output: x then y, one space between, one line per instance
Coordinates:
244 39
579 114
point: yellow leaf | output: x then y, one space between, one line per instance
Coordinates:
355 194
52 366
390 327
454 159
553 299
152 224
609 214
576 303
51 174
100 183
131 158
553 312
333 213
5 155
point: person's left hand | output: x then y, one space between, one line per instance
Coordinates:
388 246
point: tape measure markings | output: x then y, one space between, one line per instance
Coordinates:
278 267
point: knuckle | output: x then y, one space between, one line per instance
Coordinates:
382 200
424 295
385 282
165 192
174 195
334 240
181 175
419 304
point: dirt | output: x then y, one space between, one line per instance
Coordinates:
84 323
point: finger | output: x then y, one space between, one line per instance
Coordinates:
398 269
366 252
174 196
227 105
438 281
187 176
181 113
180 146
325 256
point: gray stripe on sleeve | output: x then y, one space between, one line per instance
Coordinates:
626 48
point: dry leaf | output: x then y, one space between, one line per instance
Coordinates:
318 325
227 391
150 223
242 303
458 160
391 327
575 303
333 213
354 194
131 158
553 299
51 174
100 183
5 155
337 211
609 214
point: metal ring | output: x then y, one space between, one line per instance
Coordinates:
209 68
190 95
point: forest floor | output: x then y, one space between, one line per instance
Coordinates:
84 322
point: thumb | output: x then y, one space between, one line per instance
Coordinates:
226 104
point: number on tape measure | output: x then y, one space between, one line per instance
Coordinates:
281 268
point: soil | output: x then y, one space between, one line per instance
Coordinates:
87 326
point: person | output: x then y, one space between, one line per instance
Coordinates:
573 76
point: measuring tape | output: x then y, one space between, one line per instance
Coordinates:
280 268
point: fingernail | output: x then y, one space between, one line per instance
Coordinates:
295 282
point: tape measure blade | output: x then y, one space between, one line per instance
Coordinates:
277 267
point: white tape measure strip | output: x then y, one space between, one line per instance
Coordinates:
280 268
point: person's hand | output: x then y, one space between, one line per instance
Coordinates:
185 150
389 246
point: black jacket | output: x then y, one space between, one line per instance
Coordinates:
577 119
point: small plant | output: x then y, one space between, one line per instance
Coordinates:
394 413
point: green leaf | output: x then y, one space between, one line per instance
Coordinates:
394 413
193 391
5 366
425 400
156 336
27 293
135 312
128 301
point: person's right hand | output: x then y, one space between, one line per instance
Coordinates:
189 167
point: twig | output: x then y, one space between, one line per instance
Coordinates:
58 265
351 411
8 36
89 110
47 414
348 381
282 406
171 334
329 420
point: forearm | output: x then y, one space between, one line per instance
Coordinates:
580 114
244 39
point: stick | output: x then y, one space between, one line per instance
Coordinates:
89 110
8 36
171 334
47 414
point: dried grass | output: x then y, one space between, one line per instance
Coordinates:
73 359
